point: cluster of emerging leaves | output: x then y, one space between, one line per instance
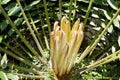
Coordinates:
65 43
101 13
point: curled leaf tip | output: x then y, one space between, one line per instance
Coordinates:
56 25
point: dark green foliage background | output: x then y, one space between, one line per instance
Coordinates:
101 13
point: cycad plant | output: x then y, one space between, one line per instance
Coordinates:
30 48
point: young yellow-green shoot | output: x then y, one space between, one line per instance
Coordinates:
65 43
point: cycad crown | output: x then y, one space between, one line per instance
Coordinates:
65 43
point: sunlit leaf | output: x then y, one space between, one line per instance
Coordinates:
92 23
3 76
12 77
67 11
13 11
35 2
110 29
27 8
4 61
4 1
112 4
85 1
36 21
119 40
66 5
103 25
95 15
116 23
106 14
118 17
113 49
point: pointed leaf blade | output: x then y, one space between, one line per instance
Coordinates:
112 4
